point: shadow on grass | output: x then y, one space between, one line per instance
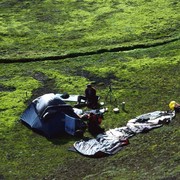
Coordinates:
58 139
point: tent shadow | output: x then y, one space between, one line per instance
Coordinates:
58 139
63 139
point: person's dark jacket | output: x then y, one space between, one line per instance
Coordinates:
90 93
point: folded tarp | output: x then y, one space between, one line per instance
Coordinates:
113 140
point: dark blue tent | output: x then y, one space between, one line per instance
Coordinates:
52 117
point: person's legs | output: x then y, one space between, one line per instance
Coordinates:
81 98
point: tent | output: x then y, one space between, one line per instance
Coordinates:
51 116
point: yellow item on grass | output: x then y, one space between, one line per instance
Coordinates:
172 105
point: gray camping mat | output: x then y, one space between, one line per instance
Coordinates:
113 140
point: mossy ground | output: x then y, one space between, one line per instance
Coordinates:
147 79
58 27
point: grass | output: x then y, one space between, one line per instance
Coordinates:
51 28
147 79
144 83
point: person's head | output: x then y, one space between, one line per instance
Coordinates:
89 86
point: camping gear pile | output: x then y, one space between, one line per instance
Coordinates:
50 116
93 123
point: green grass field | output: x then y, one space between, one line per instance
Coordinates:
60 46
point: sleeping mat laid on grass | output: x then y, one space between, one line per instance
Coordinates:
113 140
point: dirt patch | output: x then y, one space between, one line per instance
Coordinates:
7 88
48 86
40 77
99 81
